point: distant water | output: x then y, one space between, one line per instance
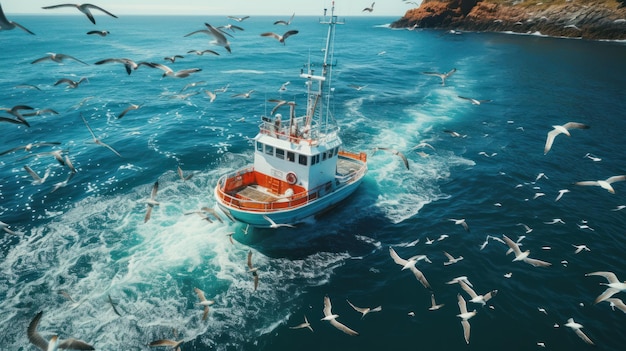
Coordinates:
89 239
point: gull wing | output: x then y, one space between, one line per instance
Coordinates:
420 276
343 328
610 276
327 307
467 289
617 303
462 304
166 342
575 125
466 330
33 336
250 260
397 259
358 309
550 140
536 262
74 344
155 189
616 179
512 245
32 173
606 294
583 336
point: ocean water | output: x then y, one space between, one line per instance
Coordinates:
89 240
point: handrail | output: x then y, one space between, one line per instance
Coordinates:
294 201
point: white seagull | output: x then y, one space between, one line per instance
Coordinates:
578 330
481 299
306 324
443 76
364 310
460 222
84 8
151 201
410 264
614 285
277 225
451 259
474 101
280 38
332 318
218 35
52 56
604 184
523 256
433 304
465 316
96 140
562 129
615 302
204 302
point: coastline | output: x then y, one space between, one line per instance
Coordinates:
594 20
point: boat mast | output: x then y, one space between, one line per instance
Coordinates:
316 98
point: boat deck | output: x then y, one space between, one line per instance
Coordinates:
254 194
346 166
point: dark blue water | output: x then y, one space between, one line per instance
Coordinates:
89 238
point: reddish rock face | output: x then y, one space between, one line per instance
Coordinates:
600 19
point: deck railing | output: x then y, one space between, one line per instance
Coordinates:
282 203
311 134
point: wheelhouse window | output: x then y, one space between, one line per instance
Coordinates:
315 159
302 159
280 153
269 150
291 157
259 147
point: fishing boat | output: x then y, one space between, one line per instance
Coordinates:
300 169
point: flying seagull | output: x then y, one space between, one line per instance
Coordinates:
204 302
614 285
5 24
395 152
306 324
410 264
369 9
57 58
84 8
96 140
332 318
277 225
474 101
218 35
562 129
151 201
129 64
577 328
523 256
443 76
286 23
254 270
605 184
280 38
55 343
364 310
465 316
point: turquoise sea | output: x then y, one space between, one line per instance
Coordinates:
88 239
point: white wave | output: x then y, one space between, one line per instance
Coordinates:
101 247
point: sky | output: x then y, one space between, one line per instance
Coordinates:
394 8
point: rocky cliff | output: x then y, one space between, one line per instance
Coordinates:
589 19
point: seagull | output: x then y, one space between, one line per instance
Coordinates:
429 241
555 221
102 33
218 35
277 225
579 248
151 201
254 270
204 302
172 59
286 23
244 95
560 195
410 265
364 310
183 177
614 285
239 19
526 228
422 145
128 109
577 329
84 8
592 157
433 305
460 222
280 38
15 112
332 318
562 129
619 208
605 184
523 256
113 305
183 73
454 134
55 343
474 101
357 87
451 259
5 24
306 324
37 180
210 94
129 64
200 53
283 87
369 9
29 146
443 76
71 83
230 27
465 316
395 152
481 299
165 342
615 302
96 140
57 58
